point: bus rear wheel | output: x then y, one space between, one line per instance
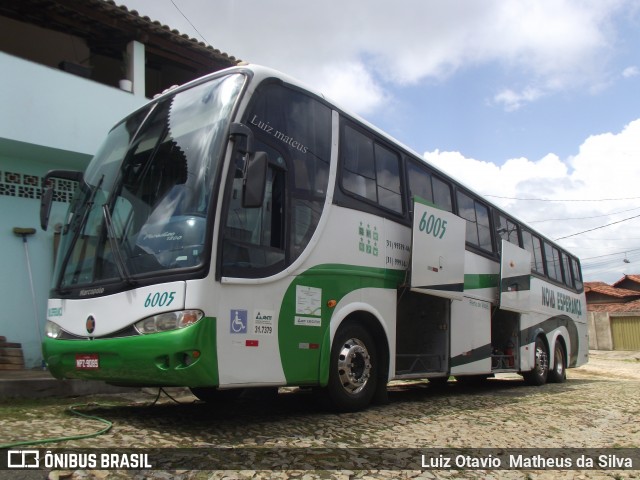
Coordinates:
353 369
538 376
558 374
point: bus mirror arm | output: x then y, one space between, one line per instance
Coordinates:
255 180
47 196
241 130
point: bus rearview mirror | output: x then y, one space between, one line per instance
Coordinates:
45 207
47 196
255 180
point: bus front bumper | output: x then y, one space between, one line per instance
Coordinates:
184 357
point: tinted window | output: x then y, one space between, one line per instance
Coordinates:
577 274
299 126
533 245
358 165
388 177
419 182
442 194
255 236
429 187
371 170
506 229
477 217
566 268
552 257
294 129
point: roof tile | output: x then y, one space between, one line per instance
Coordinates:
628 307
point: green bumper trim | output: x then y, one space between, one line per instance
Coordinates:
159 359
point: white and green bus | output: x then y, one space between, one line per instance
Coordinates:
242 231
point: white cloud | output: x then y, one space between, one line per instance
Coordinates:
632 71
556 44
352 87
606 167
512 101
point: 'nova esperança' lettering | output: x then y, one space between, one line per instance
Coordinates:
561 301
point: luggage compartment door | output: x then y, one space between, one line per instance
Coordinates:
515 278
437 253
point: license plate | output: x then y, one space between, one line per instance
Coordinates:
87 361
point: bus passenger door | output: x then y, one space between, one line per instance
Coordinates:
515 278
437 253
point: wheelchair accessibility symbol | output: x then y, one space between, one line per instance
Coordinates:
238 321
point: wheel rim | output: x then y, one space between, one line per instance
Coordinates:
542 362
559 360
354 366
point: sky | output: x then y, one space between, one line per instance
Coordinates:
534 104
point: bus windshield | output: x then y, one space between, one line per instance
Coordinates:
143 204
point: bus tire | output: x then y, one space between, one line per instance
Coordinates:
353 374
538 375
558 374
213 395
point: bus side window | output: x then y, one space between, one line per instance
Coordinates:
552 257
506 229
566 268
419 182
442 194
358 174
371 170
388 178
477 217
428 187
533 245
577 274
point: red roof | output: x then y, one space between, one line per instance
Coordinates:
632 278
604 289
622 299
615 307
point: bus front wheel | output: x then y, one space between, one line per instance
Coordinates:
353 369
538 376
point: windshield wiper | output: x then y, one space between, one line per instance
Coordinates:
76 235
123 271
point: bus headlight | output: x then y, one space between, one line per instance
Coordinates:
52 330
164 322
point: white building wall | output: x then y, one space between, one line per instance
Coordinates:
49 107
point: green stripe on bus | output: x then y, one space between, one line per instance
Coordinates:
475 281
305 341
